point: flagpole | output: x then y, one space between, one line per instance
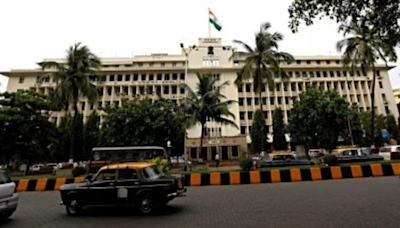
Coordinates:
209 24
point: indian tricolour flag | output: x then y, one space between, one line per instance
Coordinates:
214 21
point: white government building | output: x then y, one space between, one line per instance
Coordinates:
162 74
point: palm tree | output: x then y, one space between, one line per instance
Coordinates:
73 80
362 50
262 62
206 104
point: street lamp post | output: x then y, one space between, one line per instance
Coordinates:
187 52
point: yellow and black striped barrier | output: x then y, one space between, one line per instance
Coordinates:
293 175
251 177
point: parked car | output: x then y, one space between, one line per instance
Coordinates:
36 167
135 184
355 154
390 152
179 161
8 196
281 159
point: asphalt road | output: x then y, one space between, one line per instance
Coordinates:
366 202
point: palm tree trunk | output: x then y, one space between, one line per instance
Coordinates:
201 141
73 135
373 106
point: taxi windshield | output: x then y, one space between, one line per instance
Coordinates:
152 172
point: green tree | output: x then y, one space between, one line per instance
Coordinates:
25 132
91 134
382 15
278 127
142 123
362 50
64 135
207 103
258 140
73 81
262 64
357 131
318 119
391 126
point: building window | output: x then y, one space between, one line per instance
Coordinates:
182 77
240 101
298 61
163 65
248 101
135 77
173 64
127 77
119 77
235 151
111 78
151 77
250 115
242 130
140 64
242 115
380 85
271 100
21 80
143 77
151 64
159 77
210 62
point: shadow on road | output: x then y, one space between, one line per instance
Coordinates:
128 212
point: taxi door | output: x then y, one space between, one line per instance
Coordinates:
127 186
102 191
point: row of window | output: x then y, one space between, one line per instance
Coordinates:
150 64
299 86
146 77
287 100
142 90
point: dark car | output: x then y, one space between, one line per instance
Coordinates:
135 184
281 159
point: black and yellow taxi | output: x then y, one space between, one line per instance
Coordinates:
137 184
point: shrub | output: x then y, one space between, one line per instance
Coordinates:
246 164
47 168
5 170
330 159
78 171
162 164
195 161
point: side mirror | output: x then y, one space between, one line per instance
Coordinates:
88 178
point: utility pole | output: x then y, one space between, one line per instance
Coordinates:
179 85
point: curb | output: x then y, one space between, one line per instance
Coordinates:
237 178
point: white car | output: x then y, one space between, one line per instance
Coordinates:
180 161
8 196
390 152
36 167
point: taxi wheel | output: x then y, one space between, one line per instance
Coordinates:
74 207
147 204
5 215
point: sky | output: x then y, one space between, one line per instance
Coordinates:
33 30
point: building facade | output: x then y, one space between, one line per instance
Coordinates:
162 74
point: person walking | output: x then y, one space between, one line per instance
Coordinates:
217 159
